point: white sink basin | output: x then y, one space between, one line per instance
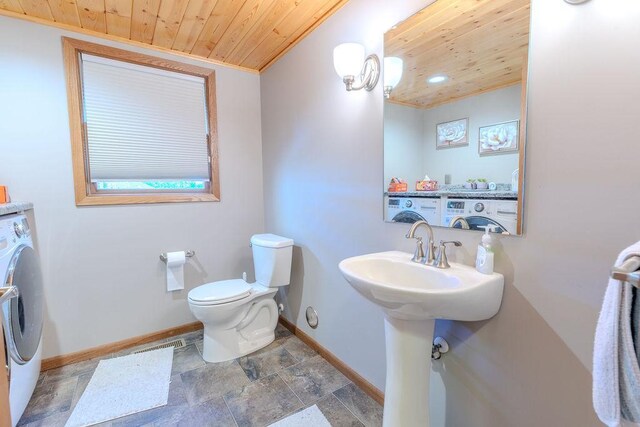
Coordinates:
408 290
412 295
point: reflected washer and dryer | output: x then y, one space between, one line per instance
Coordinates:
477 213
22 315
411 209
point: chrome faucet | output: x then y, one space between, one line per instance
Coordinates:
420 255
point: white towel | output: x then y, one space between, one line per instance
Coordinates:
616 374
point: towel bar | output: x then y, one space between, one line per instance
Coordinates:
628 271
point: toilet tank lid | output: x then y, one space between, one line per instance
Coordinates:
271 241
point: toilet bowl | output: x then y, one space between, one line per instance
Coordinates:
239 317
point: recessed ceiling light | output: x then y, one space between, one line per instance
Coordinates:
438 78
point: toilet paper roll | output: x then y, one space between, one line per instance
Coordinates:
175 270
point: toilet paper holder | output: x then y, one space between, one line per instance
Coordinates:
188 254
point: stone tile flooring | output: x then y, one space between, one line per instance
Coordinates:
255 390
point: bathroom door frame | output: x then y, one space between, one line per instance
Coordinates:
5 411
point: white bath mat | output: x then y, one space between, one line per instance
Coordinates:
123 386
310 417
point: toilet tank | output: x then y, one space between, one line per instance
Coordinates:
272 259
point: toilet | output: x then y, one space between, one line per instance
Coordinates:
239 317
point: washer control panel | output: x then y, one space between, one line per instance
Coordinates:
13 229
503 212
21 227
427 208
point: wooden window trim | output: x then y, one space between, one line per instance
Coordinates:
84 194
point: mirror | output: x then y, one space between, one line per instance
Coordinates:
455 115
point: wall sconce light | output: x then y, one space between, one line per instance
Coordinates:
349 62
392 74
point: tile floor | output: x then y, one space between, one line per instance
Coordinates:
256 390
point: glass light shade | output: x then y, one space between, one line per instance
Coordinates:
392 71
348 59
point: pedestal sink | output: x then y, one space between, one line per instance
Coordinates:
412 296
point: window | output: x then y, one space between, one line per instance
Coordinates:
143 129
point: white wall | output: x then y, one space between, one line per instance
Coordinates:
462 163
403 145
323 163
104 280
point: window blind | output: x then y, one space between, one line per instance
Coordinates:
143 123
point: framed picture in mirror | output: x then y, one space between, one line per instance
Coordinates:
500 138
452 134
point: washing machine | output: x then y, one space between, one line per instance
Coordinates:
411 209
477 213
22 310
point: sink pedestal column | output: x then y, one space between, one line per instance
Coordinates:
408 344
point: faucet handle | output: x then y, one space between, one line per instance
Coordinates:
441 258
418 255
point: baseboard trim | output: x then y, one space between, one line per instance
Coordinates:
348 372
103 350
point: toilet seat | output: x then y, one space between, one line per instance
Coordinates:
220 292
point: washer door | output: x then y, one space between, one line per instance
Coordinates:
408 217
23 315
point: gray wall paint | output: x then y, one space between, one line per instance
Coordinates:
463 163
403 145
104 281
410 139
323 163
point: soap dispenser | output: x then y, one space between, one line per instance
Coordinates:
484 259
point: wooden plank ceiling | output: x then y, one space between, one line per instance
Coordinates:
481 45
246 33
